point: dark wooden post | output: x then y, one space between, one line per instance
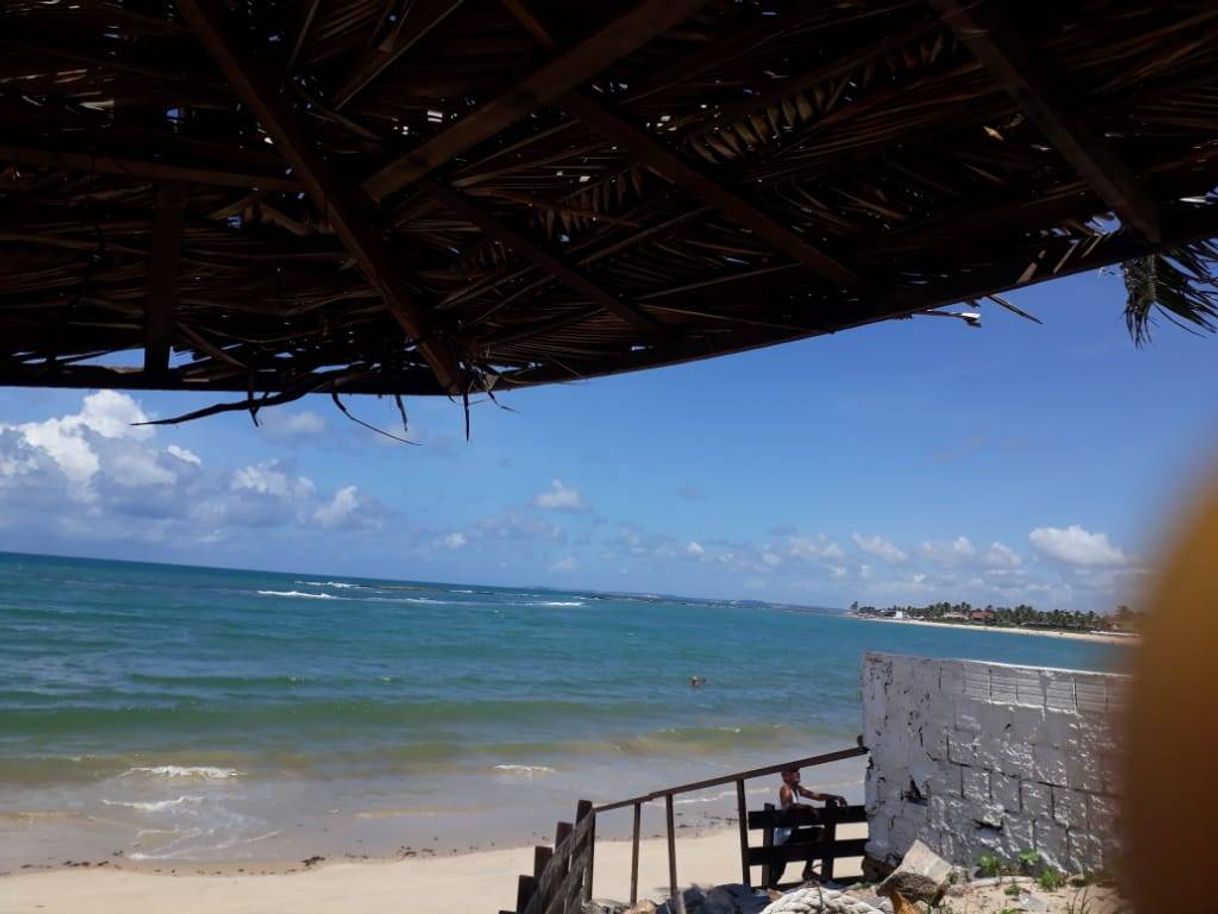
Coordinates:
672 847
830 836
582 810
541 857
767 840
743 813
563 852
634 855
524 892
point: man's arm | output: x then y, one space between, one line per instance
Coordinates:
831 798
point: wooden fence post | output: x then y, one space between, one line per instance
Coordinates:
672 847
743 812
582 810
634 856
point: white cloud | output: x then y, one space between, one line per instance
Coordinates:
270 478
559 498
340 509
73 444
91 476
695 549
879 547
279 423
814 547
771 560
184 455
1000 556
563 566
1075 546
454 540
958 550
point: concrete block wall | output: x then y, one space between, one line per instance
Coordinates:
976 758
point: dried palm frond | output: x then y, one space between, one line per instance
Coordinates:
1180 283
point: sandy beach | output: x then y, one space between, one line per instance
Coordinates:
1039 632
479 882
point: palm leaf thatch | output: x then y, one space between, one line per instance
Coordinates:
448 197
1180 284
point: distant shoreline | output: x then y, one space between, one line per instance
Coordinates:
1039 632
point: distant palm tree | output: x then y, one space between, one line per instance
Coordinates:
1181 284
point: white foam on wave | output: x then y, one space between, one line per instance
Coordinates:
176 850
154 805
195 772
300 594
557 603
337 585
526 770
425 600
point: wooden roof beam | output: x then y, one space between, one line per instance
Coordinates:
668 165
416 22
163 269
88 163
998 46
646 20
256 87
665 163
556 266
1061 257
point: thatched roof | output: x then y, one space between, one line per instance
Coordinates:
437 196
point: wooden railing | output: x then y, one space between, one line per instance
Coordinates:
562 877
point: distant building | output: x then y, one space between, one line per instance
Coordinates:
954 616
985 616
899 614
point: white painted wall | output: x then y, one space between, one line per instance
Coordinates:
977 758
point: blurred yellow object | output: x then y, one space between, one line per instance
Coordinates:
1170 789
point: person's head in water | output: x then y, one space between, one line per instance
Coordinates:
696 681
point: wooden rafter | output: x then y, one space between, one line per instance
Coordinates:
1201 223
623 35
245 75
418 19
671 167
163 269
87 163
1001 50
568 275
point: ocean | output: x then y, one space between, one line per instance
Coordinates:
171 714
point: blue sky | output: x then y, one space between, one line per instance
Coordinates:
909 461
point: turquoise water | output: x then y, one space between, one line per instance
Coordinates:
193 713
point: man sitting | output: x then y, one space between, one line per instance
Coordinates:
789 793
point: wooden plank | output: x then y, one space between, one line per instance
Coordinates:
672 846
770 818
852 847
591 857
742 815
161 291
646 20
244 73
556 266
542 856
87 163
1001 50
634 855
525 887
